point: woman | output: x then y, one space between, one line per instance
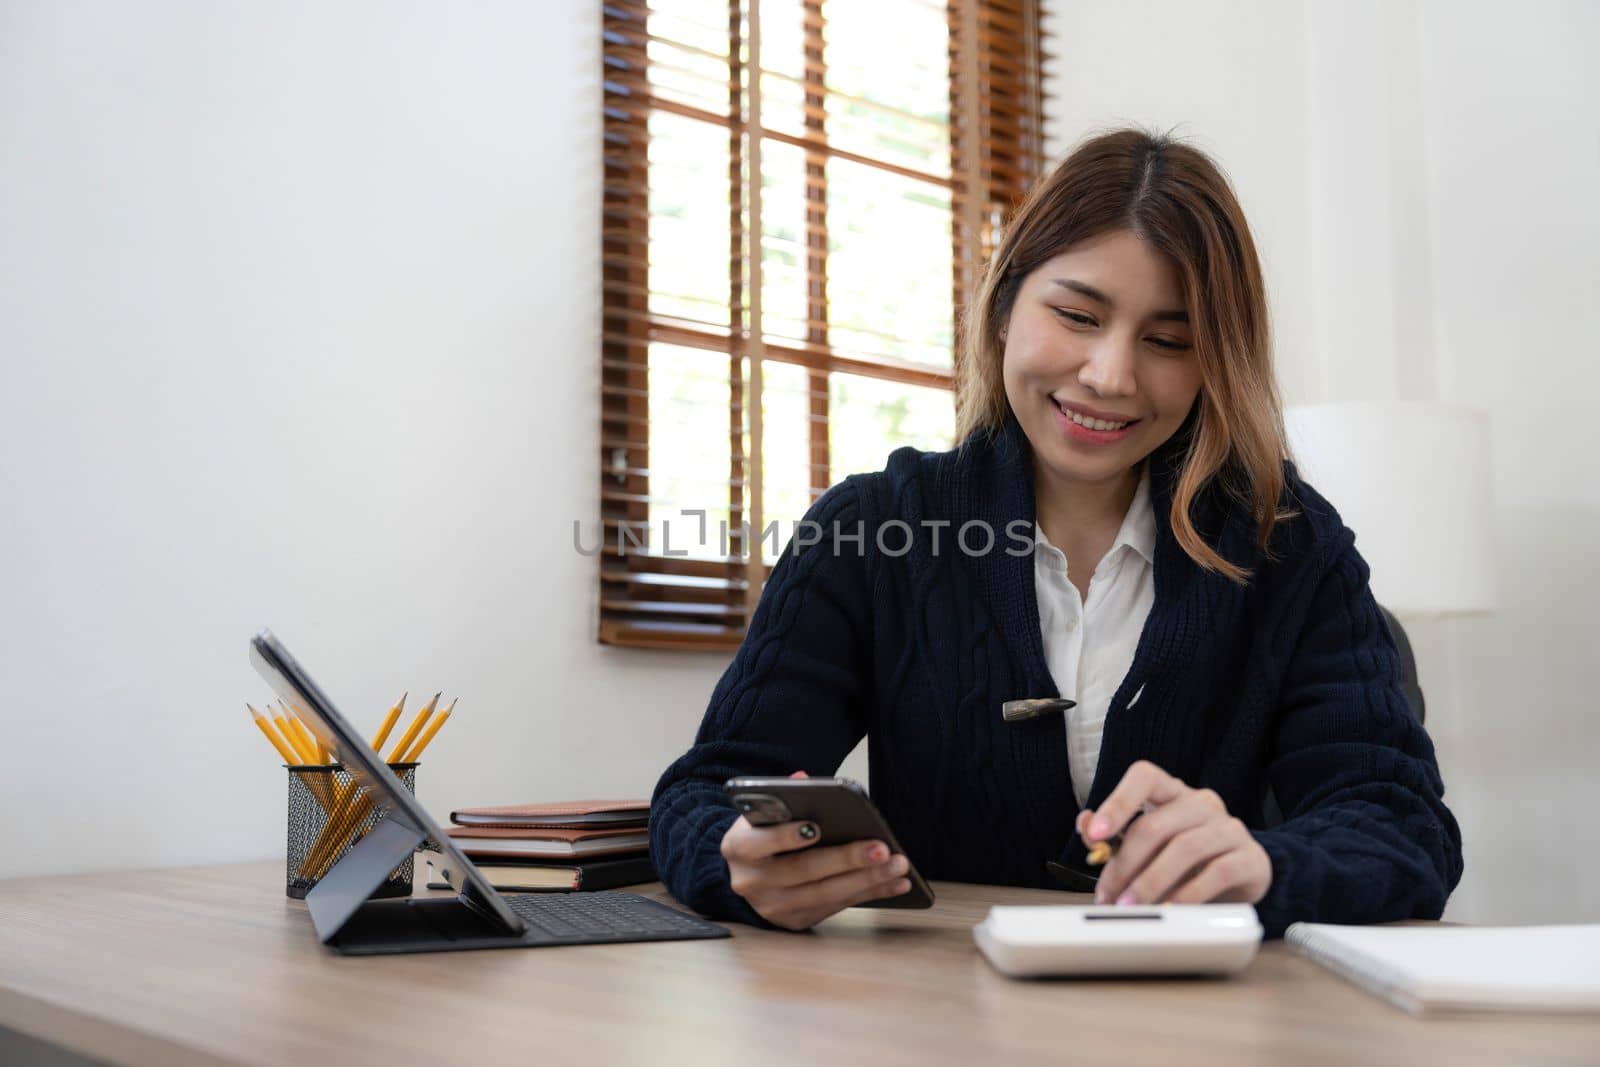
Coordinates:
1206 609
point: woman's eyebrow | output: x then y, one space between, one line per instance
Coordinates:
1094 294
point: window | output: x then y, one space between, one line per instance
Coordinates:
798 194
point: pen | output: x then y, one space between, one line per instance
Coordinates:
1100 852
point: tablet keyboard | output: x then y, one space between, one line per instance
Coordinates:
587 918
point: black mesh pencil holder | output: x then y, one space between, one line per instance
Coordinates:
328 813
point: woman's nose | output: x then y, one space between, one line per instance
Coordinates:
1109 369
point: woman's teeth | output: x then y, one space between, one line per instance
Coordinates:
1093 424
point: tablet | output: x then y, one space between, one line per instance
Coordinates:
479 916
295 687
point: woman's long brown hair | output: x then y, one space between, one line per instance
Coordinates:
1173 196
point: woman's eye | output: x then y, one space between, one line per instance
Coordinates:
1168 343
1074 317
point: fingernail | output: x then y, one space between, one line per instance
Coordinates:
1099 826
899 865
903 886
877 853
808 830
1127 898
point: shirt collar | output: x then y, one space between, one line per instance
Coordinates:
989 478
1138 530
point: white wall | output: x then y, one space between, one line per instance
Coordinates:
1421 180
298 315
1225 76
1513 167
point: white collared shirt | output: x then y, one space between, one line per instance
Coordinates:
1089 644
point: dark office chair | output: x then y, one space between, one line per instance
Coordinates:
1409 684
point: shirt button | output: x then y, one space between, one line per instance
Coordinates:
1072 624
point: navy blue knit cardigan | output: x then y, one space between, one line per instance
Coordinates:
1282 695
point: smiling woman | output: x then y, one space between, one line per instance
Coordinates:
1233 702
1150 299
1099 375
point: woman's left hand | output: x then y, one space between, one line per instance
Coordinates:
1185 849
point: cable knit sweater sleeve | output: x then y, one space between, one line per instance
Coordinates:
1366 836
791 700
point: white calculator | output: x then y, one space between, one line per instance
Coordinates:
1042 940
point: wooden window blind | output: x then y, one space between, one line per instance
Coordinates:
798 195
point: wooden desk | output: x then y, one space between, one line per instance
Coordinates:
212 965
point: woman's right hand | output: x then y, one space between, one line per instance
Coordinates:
793 884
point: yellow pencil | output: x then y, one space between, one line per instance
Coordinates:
345 796
388 723
414 729
291 735
433 728
350 815
285 720
265 725
287 737
352 804
307 738
284 738
308 741
340 832
324 753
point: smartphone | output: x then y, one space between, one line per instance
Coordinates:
842 812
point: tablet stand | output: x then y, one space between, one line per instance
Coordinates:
349 919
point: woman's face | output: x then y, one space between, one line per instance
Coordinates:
1100 332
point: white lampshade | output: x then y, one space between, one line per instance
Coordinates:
1413 482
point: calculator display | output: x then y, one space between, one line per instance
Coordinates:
1123 915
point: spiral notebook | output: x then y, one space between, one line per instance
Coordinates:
1428 969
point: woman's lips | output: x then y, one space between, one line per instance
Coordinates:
1078 432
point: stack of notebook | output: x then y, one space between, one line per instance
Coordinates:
585 844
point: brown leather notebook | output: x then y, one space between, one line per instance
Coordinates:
577 814
525 875
547 840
